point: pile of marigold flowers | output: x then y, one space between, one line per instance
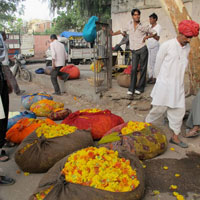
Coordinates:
90 110
134 126
102 169
41 195
51 131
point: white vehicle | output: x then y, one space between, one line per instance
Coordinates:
79 51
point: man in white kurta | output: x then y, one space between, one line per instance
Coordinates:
153 47
168 93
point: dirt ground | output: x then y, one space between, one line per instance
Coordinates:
157 178
116 100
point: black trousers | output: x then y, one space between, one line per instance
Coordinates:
4 122
139 56
54 74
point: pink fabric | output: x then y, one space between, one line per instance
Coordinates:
189 28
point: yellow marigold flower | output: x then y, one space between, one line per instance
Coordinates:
177 175
58 130
26 173
173 187
172 149
133 126
156 192
165 167
91 110
102 169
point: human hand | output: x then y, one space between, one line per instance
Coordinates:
145 38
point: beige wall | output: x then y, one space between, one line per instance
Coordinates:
120 19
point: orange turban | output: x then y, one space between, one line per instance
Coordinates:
189 28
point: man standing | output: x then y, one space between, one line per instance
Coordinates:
138 34
8 73
153 47
168 93
59 56
4 107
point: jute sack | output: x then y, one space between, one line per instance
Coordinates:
37 155
124 80
59 189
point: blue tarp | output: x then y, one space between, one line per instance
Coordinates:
68 34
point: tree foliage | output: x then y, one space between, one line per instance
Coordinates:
73 14
8 8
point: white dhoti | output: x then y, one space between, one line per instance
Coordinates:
174 115
152 60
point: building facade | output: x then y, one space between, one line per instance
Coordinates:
121 14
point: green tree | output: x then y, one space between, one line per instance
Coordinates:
100 8
8 9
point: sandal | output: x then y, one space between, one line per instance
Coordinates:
9 144
4 180
180 144
3 156
192 134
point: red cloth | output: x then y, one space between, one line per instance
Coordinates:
189 28
72 70
128 70
98 123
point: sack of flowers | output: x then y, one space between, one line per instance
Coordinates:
59 114
13 120
49 144
141 139
93 174
95 120
25 127
44 107
29 99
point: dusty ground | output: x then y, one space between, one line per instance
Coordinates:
116 100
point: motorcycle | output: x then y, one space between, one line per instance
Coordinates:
19 68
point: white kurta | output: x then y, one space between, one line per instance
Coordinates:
171 62
153 47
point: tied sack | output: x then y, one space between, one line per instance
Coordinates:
49 144
28 100
98 122
54 186
141 139
72 70
59 114
25 127
44 107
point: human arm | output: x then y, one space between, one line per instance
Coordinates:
150 33
116 33
160 58
53 55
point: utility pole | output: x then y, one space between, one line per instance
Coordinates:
177 12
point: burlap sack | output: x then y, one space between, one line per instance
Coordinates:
124 80
44 153
63 190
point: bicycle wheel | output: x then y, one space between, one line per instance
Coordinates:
25 75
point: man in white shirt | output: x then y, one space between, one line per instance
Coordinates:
59 56
8 73
138 34
168 93
153 47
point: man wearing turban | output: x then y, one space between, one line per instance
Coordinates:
168 95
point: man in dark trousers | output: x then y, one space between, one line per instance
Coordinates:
59 56
4 108
138 34
8 73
